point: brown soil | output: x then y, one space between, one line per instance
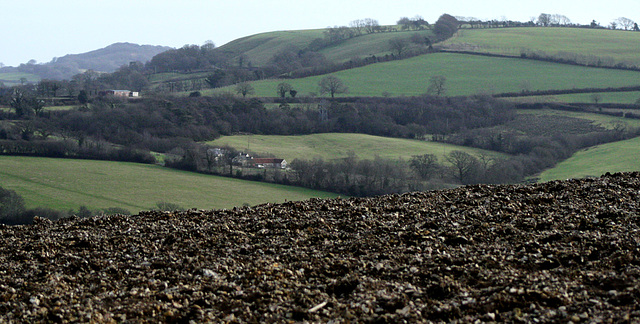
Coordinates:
553 252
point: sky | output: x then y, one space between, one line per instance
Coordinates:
44 29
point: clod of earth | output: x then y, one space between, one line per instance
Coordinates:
554 252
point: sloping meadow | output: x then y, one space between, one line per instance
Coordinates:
558 251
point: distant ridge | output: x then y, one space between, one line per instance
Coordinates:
107 59
110 58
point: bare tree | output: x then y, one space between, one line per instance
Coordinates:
626 23
371 25
283 88
437 85
464 166
424 165
332 85
398 45
544 19
357 25
596 98
244 88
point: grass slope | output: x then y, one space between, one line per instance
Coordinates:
332 146
612 157
621 46
260 48
606 121
466 75
629 97
367 45
64 183
13 78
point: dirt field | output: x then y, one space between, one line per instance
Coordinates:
552 252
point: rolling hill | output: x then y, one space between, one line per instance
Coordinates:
107 59
616 46
465 75
260 48
65 184
333 146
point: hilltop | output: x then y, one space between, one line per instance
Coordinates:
107 59
553 252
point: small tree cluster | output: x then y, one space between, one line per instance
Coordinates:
445 27
416 23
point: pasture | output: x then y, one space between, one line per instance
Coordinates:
626 97
260 48
606 121
619 156
331 146
68 184
465 75
616 45
13 78
367 45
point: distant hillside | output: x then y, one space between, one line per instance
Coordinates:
112 57
598 47
106 59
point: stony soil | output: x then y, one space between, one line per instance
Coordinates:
553 252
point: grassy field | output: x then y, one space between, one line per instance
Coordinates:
63 184
173 76
595 161
628 97
13 78
367 45
260 48
338 145
620 46
465 75
605 121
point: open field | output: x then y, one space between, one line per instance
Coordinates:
260 48
367 45
608 122
618 45
13 78
332 146
169 76
465 75
64 184
627 97
594 161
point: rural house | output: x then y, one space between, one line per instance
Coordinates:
269 163
120 93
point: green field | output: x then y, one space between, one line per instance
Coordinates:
174 76
627 97
333 146
612 157
63 184
13 78
367 45
618 45
465 74
608 122
260 48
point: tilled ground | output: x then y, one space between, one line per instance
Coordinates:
553 252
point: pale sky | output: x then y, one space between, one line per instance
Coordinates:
44 29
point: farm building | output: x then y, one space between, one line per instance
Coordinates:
269 163
120 93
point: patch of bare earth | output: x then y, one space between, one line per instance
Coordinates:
552 252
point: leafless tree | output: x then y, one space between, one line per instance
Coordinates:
626 23
332 85
244 88
437 85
